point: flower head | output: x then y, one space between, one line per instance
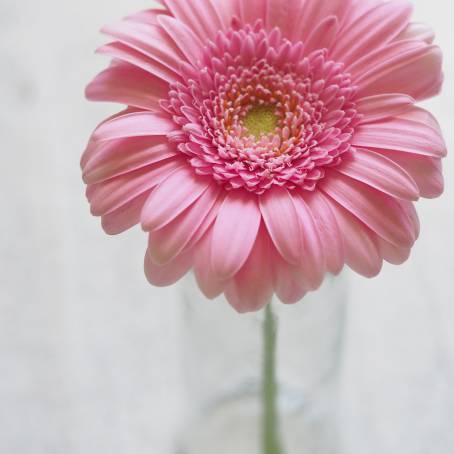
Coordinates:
265 145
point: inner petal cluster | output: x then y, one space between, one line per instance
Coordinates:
262 111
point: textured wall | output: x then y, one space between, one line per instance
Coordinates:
89 353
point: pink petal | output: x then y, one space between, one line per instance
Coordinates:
227 10
401 134
127 84
357 8
207 222
209 283
235 231
423 117
313 263
186 40
356 11
124 53
274 14
369 62
323 36
163 276
380 107
288 282
148 16
125 217
315 11
111 194
412 216
252 287
282 221
173 195
166 243
381 213
93 147
361 251
421 32
116 157
393 254
201 16
397 75
136 124
380 173
425 171
328 230
253 10
374 29
150 40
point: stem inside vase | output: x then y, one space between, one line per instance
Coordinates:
270 430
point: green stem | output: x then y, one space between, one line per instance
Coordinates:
270 429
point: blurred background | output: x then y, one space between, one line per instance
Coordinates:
90 353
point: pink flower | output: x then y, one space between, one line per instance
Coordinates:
267 145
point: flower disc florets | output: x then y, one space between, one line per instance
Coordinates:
262 111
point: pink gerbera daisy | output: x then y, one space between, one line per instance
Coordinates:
267 143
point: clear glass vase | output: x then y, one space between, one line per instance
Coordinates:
223 356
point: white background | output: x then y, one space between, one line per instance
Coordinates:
89 352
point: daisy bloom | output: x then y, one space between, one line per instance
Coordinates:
267 143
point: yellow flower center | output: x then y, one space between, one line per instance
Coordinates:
261 120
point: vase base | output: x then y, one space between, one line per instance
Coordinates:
234 428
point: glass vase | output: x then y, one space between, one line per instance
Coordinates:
222 364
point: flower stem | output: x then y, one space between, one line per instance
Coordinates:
270 429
